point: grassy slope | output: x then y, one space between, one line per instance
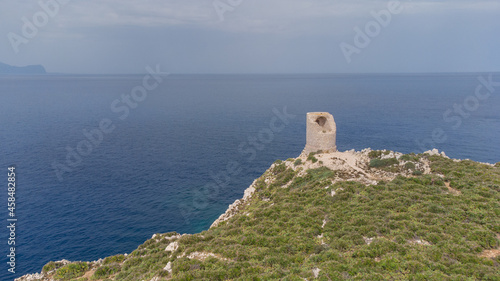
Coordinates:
279 238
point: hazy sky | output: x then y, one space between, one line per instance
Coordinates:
252 36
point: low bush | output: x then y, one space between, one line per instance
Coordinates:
417 173
410 157
375 153
410 166
49 267
105 271
312 158
114 259
379 163
71 271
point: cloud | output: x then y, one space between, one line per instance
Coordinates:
134 13
260 16
256 36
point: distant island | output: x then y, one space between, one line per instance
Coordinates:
29 69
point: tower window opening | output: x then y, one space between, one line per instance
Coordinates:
321 121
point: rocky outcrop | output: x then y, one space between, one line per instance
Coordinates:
349 166
357 166
233 208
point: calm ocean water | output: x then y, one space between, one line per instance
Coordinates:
149 174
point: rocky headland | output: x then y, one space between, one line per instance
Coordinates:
21 70
330 215
362 215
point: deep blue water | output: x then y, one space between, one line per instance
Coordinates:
148 175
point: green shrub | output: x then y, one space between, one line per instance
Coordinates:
312 158
298 162
114 259
410 166
51 266
321 173
375 153
105 271
497 165
284 176
410 157
279 168
71 271
379 163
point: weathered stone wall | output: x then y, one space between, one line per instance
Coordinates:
321 132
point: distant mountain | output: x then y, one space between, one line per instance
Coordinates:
30 69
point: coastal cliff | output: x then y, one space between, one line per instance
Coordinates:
366 215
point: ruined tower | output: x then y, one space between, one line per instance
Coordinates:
321 132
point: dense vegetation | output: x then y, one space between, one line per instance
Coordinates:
411 228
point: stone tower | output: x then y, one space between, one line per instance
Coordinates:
321 132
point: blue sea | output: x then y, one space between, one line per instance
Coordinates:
173 158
